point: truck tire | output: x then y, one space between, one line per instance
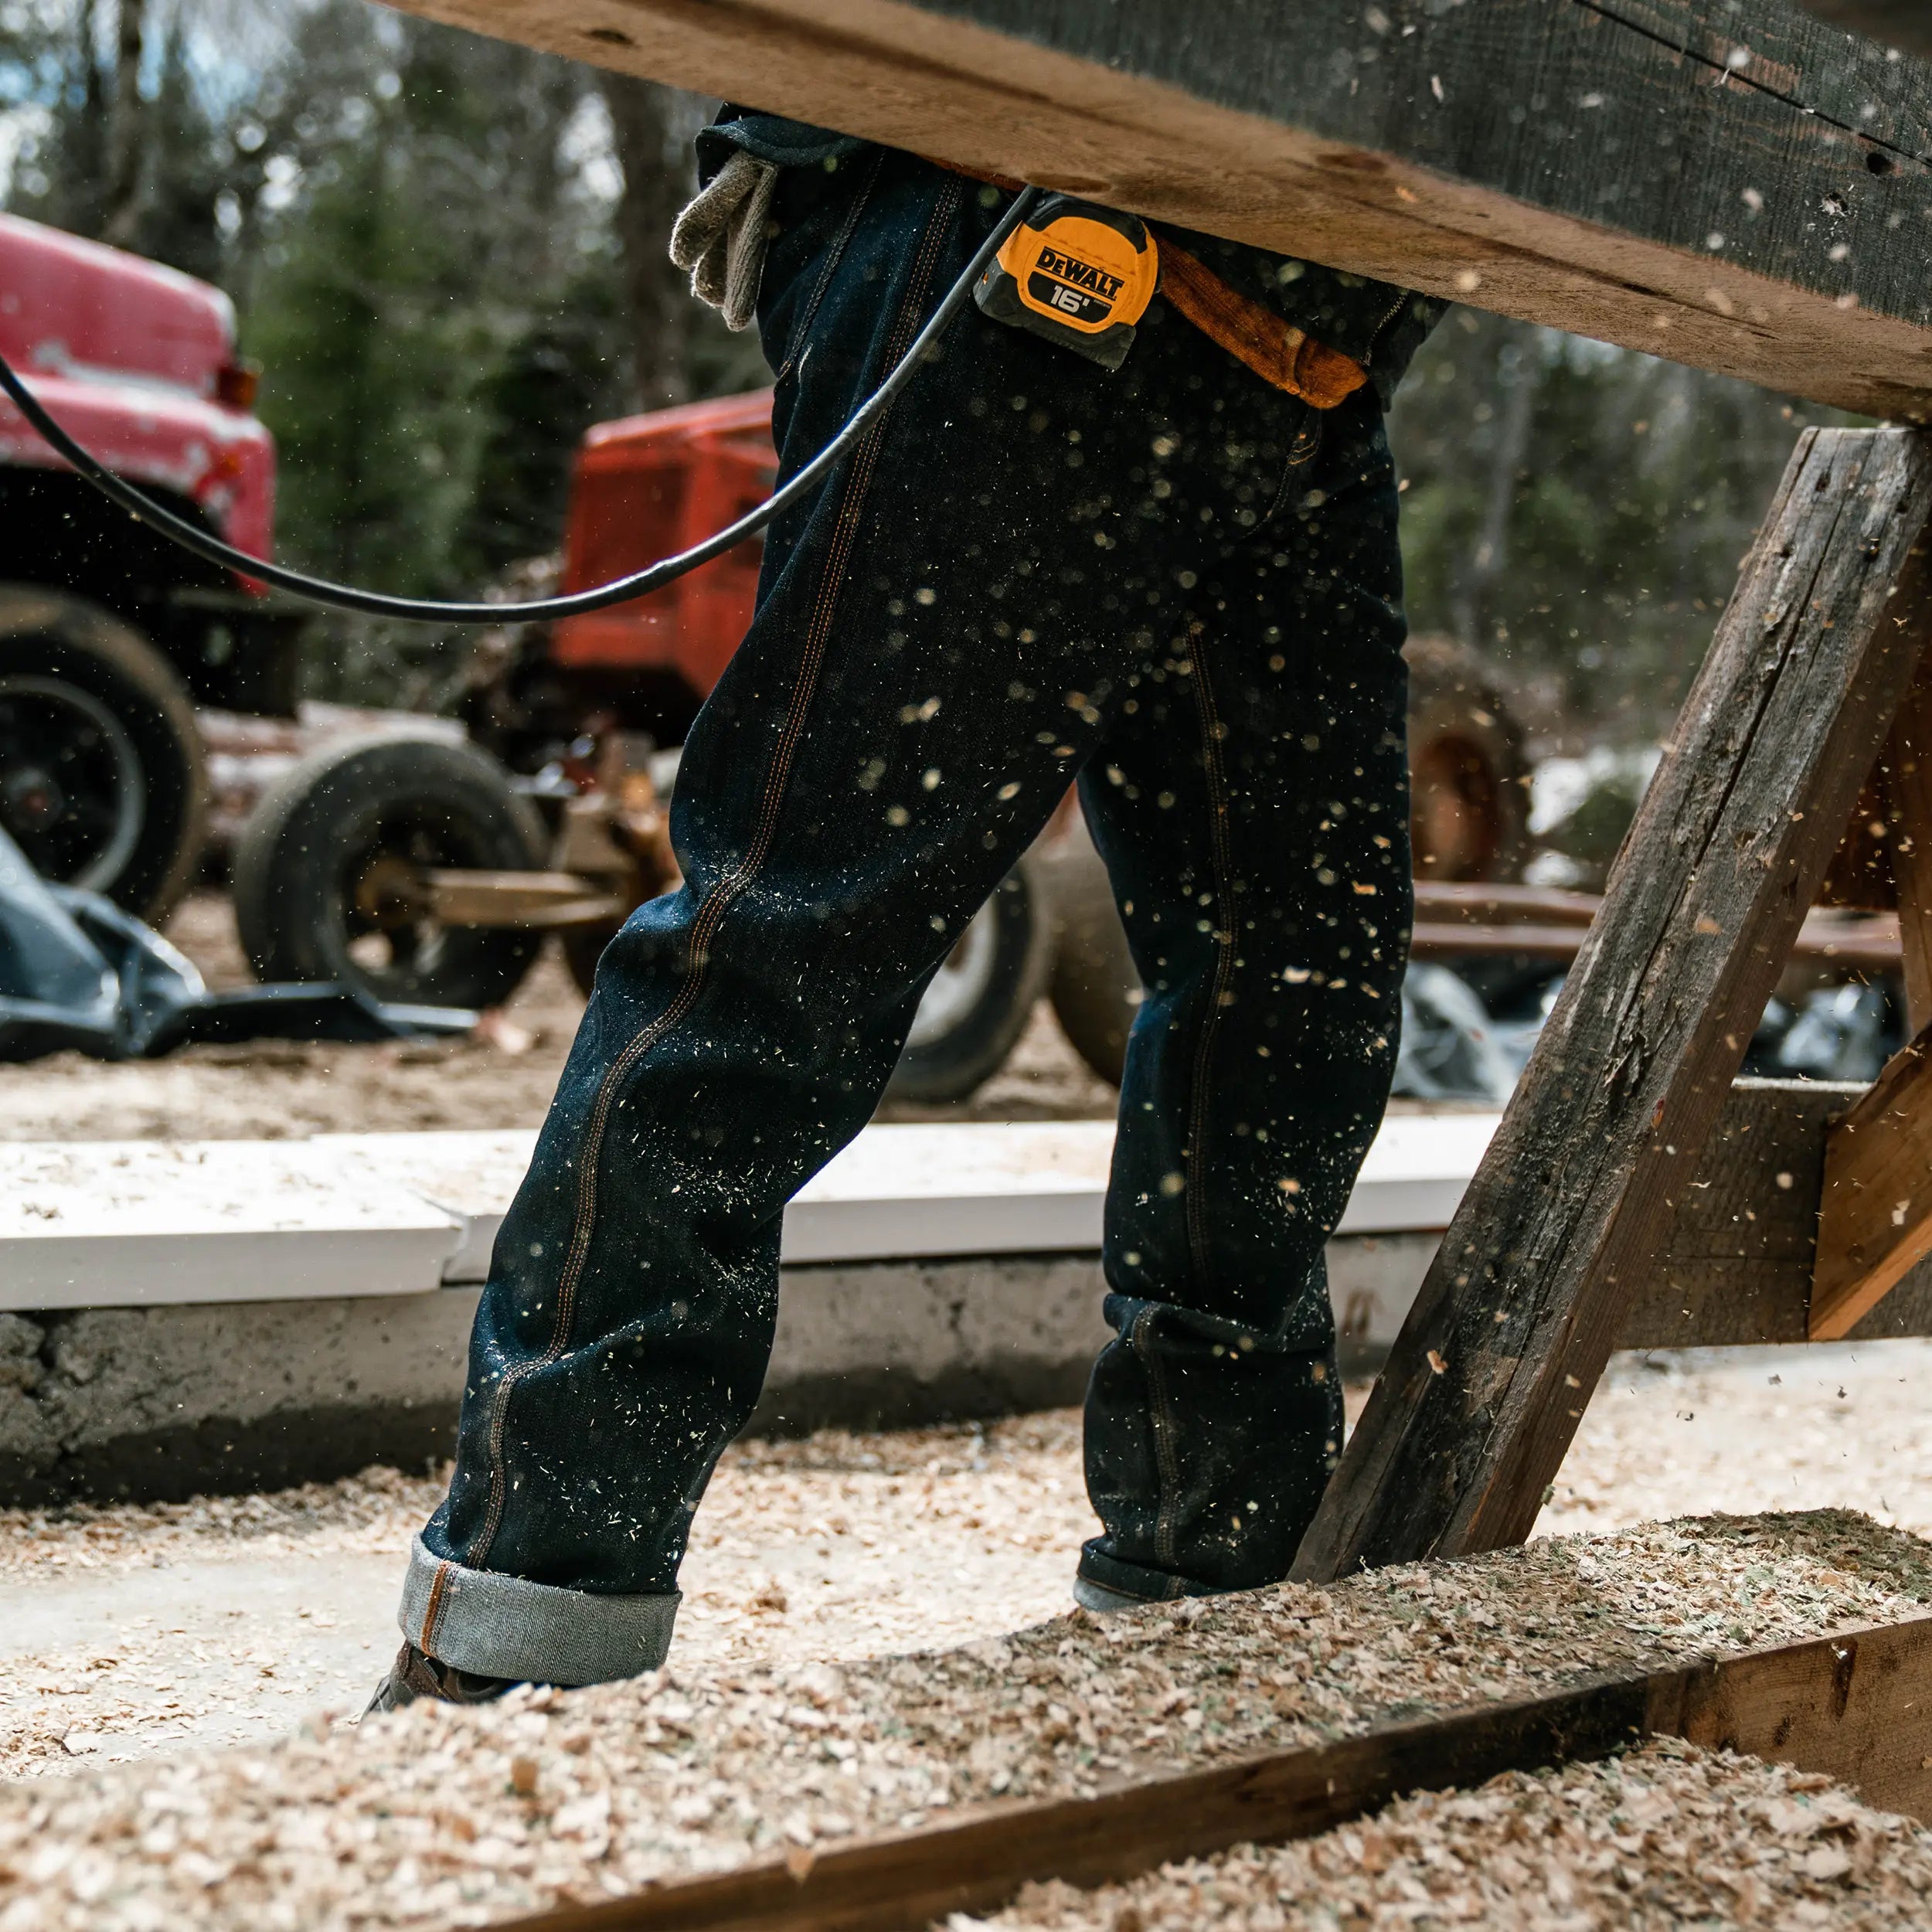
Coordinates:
308 867
103 783
1095 988
979 1001
1468 776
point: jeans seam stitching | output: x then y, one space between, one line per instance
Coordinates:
432 1611
1223 940
1293 463
1167 1477
721 896
835 254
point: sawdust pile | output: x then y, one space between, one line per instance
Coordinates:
1666 1837
377 1511
837 1546
436 1816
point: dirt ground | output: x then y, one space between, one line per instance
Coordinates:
131 1631
278 1090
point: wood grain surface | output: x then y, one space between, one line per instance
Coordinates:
1746 189
1907 777
1738 1269
1573 1209
1856 1705
1875 1218
1896 23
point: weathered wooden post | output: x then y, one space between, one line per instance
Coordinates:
1574 1205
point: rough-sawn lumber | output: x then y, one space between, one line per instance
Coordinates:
1743 188
1856 1705
1895 23
1906 776
1876 1220
1876 1223
1571 1211
1738 1272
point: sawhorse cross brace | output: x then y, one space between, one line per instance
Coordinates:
1634 1195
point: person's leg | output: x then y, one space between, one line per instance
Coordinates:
940 641
1252 806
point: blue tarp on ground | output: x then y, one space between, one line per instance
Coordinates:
77 974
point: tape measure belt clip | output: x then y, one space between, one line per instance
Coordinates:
1081 276
1077 274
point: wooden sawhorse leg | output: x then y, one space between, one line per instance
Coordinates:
1572 1209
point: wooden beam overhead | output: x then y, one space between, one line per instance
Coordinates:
1905 24
1748 193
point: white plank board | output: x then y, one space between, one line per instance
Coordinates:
916 1192
471 1176
128 1223
104 1224
896 1192
986 1188
1413 1179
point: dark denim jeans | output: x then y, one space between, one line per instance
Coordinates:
1174 584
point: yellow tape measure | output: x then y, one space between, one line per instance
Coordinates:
1079 274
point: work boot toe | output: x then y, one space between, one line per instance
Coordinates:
1102 1601
415 1675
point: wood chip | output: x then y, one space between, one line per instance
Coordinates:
417 1819
1666 1837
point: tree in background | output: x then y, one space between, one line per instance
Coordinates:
650 131
684 351
447 252
118 141
1576 514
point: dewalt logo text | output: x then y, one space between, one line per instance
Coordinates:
1079 274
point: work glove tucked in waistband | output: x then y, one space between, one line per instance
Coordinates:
720 237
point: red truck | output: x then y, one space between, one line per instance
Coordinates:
110 636
642 487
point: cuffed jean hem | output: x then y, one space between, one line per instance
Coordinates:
496 1626
1114 1577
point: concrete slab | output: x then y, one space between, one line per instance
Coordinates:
171 1402
231 1342
136 1223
